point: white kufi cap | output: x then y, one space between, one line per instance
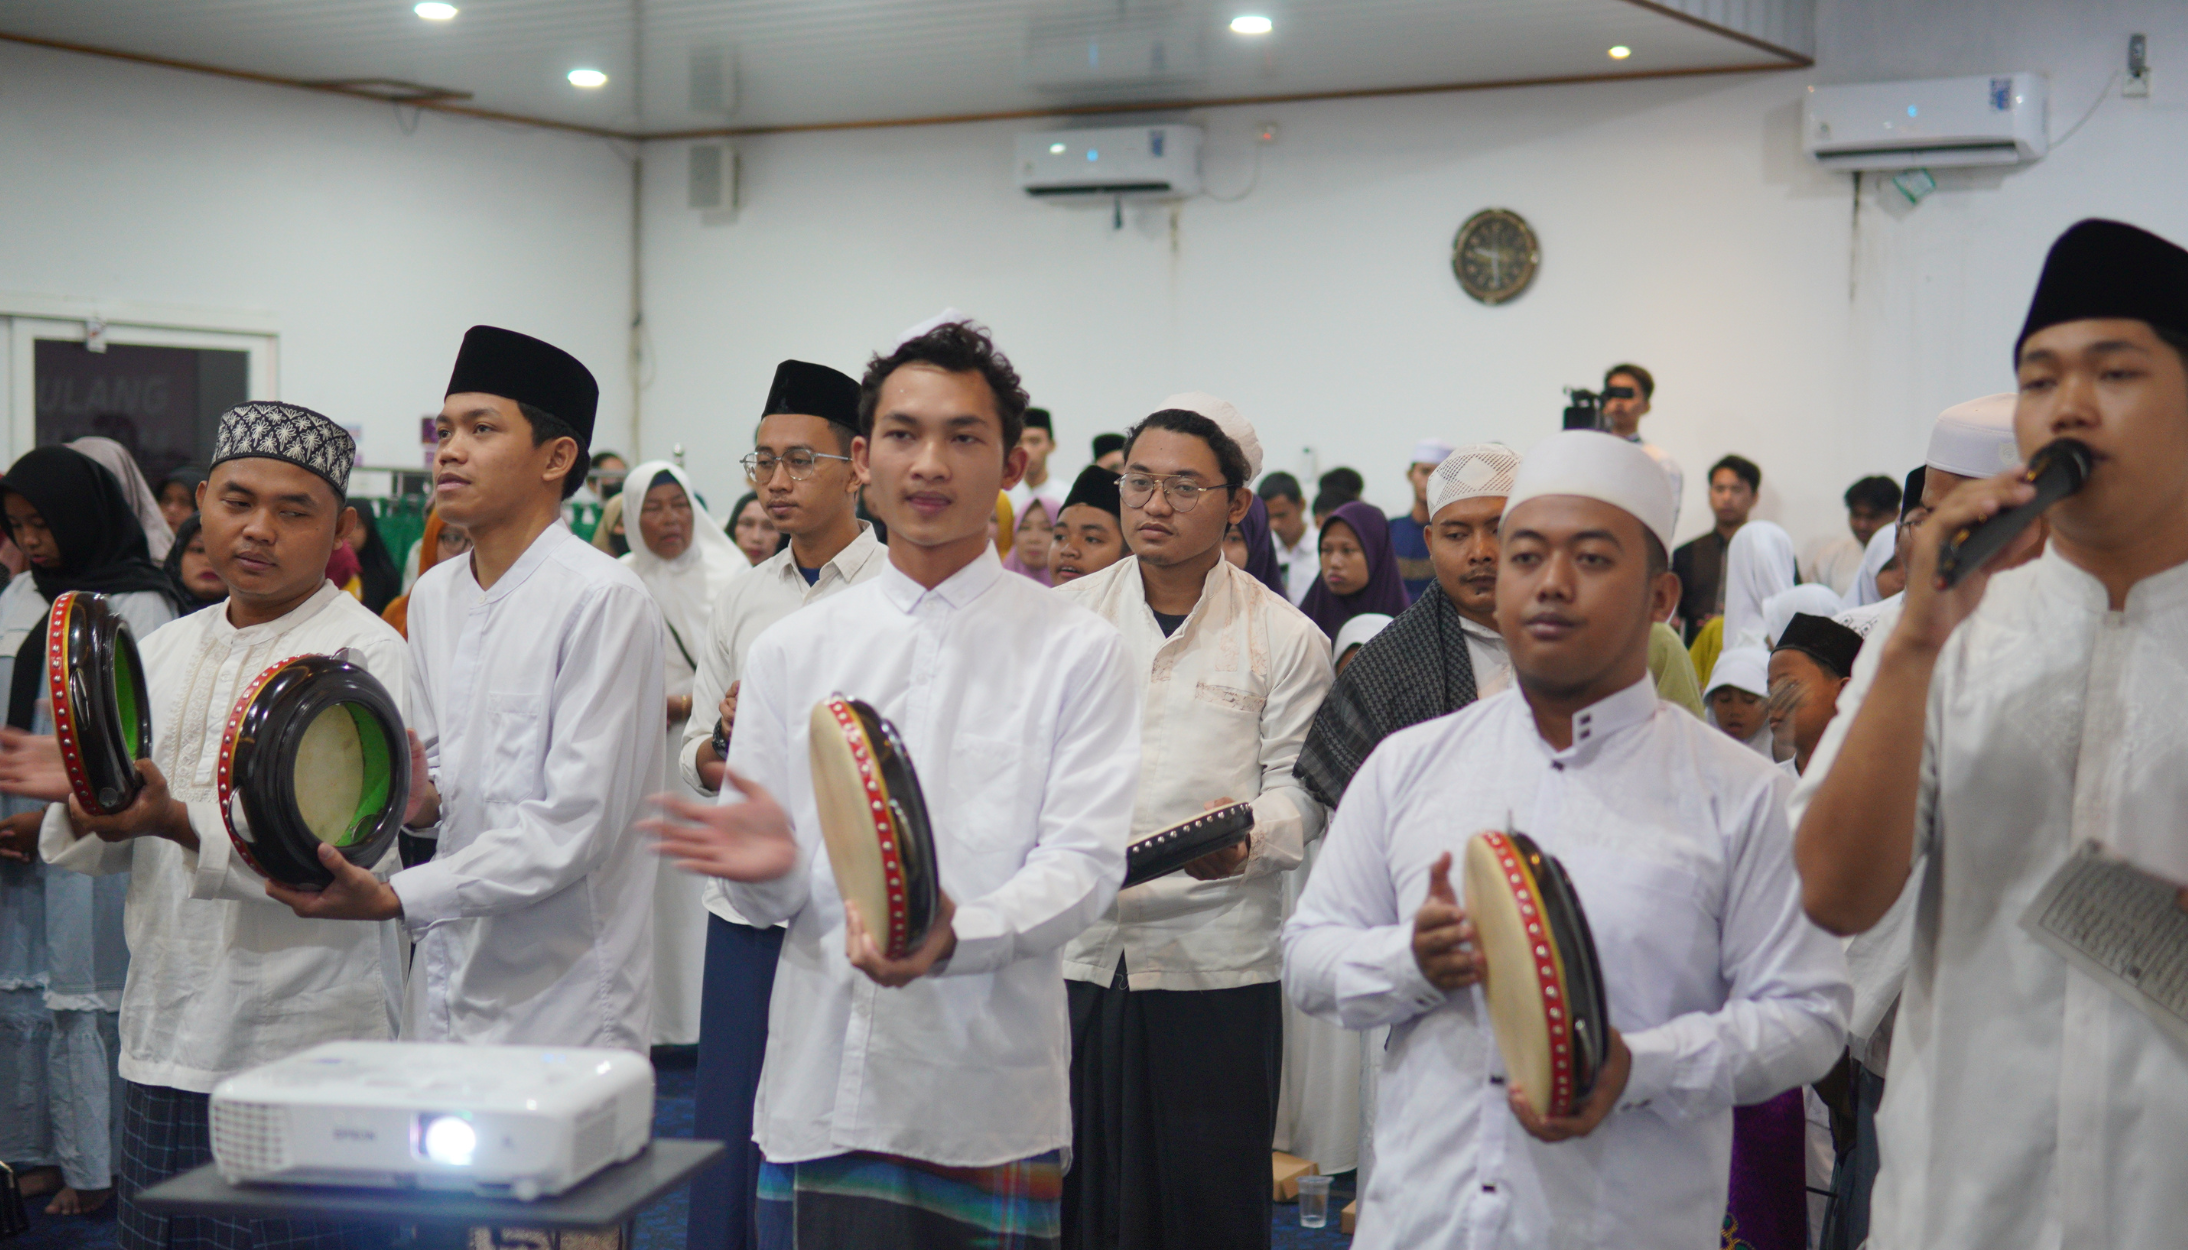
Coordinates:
1228 419
1475 471
1742 668
1975 439
1598 466
1430 451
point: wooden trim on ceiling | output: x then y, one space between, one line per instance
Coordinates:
1172 106
300 84
1798 61
1792 60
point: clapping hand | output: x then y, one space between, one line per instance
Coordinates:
748 841
1443 938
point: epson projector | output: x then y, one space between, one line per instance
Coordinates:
520 1121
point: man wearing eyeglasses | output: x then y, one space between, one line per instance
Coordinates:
801 469
1176 1012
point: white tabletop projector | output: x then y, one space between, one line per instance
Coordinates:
498 1120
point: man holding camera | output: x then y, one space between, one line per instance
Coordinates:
1627 389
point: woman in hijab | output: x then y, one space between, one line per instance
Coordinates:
1249 546
753 530
680 552
1001 529
441 541
159 536
1029 548
189 571
1359 569
62 954
608 535
1759 563
1357 633
378 580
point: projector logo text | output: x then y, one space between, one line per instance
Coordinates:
355 1134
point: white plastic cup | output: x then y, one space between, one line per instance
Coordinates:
1314 1201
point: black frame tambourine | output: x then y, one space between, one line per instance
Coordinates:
874 822
102 706
331 717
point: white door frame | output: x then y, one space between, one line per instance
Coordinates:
24 327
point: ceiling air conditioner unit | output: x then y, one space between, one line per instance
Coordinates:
1157 162
1989 119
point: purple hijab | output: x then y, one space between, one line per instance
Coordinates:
1384 591
1261 549
1018 566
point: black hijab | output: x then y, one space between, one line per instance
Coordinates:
184 534
102 547
376 572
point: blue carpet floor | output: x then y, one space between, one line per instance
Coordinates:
661 1226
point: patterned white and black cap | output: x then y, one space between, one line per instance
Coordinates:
1475 471
288 432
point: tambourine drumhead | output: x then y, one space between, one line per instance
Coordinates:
1545 989
314 753
1172 847
102 706
874 822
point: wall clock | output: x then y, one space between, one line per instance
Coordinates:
1495 255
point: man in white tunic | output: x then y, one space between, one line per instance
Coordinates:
222 977
1177 1017
925 1100
536 691
800 466
2004 726
1720 991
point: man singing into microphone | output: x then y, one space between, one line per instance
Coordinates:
2009 721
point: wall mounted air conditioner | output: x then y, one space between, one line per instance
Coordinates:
1989 119
1132 162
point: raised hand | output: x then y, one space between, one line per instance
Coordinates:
1929 613
748 841
1443 938
31 767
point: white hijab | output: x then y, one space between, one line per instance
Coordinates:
1814 598
1758 564
1883 545
115 459
684 588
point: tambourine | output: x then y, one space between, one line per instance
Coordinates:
1174 846
313 753
102 707
1545 986
874 821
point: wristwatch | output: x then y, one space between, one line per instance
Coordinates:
721 740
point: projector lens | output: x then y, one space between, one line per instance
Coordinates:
449 1139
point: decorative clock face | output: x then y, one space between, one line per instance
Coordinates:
1495 255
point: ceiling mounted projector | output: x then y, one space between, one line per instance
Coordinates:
520 1121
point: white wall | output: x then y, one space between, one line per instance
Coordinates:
369 250
1680 224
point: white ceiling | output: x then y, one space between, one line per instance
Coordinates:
812 62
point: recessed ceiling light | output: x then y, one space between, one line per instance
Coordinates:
1251 24
435 11
588 78
1621 52
1055 149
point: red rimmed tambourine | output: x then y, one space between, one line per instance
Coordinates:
874 821
1174 846
1545 987
314 752
102 707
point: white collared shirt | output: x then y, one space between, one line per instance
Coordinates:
539 705
1227 702
221 977
1676 842
1019 710
1492 663
2028 1105
1301 564
771 591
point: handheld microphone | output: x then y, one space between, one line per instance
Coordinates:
2057 470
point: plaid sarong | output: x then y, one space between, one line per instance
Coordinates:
858 1201
166 1132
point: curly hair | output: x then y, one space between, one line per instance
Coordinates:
955 347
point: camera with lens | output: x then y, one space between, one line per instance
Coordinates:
1584 408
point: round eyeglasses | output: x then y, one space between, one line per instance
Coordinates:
1183 493
801 461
